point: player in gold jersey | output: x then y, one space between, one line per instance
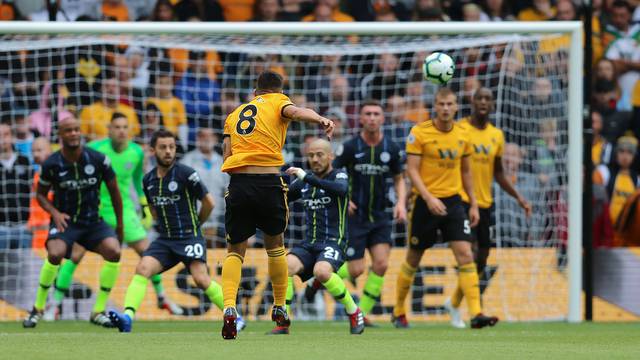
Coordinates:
439 167
254 135
487 143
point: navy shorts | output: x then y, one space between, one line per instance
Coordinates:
169 252
365 234
481 234
89 236
310 254
424 226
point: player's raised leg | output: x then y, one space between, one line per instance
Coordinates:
156 280
63 282
109 249
147 267
56 250
323 271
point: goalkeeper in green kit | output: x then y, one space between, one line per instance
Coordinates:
127 160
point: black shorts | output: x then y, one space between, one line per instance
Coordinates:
255 201
169 251
364 234
481 234
424 225
310 254
89 236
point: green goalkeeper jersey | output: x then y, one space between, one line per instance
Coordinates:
128 166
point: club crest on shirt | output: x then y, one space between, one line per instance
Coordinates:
128 165
385 157
173 186
89 169
411 139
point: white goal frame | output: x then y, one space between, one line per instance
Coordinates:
575 76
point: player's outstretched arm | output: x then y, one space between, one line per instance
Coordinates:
206 207
307 115
337 187
58 218
116 201
505 184
467 184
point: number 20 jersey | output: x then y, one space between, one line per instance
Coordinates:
257 131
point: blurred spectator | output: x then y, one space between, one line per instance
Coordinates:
398 126
469 87
198 93
293 10
473 12
115 10
370 10
539 11
41 121
68 10
151 122
620 180
163 11
129 95
236 10
516 229
16 174
601 150
615 123
328 10
228 102
188 10
139 67
627 229
605 70
9 11
386 80
95 119
174 117
602 227
207 163
339 119
623 49
416 106
38 218
497 10
23 136
340 98
266 10
140 9
429 10
567 11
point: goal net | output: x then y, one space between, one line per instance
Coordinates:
187 82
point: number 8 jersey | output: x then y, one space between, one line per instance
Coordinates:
257 131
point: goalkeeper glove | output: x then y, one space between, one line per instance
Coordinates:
147 219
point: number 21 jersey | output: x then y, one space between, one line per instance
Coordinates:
257 131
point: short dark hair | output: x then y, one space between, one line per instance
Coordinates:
162 133
269 81
117 115
370 102
622 4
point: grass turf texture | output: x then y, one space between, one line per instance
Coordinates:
319 340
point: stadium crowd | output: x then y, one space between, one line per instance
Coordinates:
190 93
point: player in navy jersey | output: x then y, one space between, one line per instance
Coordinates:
75 174
172 190
324 193
371 161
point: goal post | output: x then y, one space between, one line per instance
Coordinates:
574 89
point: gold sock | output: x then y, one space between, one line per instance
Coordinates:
405 279
231 276
469 283
279 274
457 296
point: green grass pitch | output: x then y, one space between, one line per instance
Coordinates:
184 340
